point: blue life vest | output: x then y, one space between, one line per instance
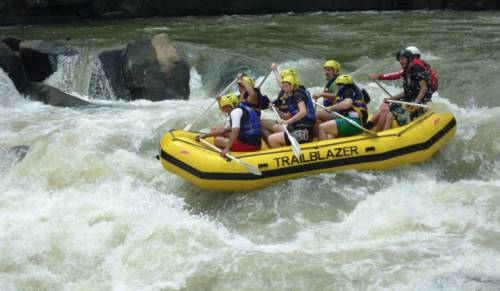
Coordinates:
250 129
359 104
262 101
293 108
282 102
329 101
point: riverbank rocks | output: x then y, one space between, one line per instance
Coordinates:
14 12
52 96
153 69
11 64
39 58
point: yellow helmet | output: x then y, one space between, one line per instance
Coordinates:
332 64
344 80
229 99
289 72
247 80
290 80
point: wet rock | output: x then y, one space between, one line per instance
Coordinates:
11 64
19 151
111 62
153 69
52 96
12 42
39 58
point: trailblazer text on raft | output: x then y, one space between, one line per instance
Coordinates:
317 156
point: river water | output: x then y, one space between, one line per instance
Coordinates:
90 208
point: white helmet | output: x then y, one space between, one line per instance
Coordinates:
414 50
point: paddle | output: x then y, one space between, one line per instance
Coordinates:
247 166
348 120
293 141
263 80
188 127
382 87
436 107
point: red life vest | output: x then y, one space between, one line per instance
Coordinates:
432 73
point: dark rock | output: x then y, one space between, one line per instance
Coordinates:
40 58
153 69
113 15
12 42
19 151
52 96
111 63
11 64
50 3
437 4
132 7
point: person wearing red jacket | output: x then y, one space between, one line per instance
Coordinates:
396 75
418 88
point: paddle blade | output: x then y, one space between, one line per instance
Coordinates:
295 146
250 168
438 107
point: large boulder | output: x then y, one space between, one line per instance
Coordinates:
39 58
153 69
11 64
12 42
52 96
112 73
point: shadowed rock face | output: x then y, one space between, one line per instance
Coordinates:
48 11
39 58
12 42
153 69
11 64
111 62
52 96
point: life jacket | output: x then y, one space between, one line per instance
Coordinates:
431 71
250 129
262 101
293 108
360 99
282 102
328 101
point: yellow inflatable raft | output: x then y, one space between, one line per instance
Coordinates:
182 155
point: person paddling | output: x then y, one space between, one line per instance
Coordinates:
268 125
350 102
385 108
396 75
250 95
331 69
243 129
417 85
300 117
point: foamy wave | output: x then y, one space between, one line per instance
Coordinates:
9 95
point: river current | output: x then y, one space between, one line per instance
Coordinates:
84 204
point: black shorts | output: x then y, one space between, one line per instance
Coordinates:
302 132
